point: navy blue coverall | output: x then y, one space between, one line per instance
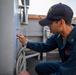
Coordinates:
67 52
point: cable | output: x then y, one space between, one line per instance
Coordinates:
26 32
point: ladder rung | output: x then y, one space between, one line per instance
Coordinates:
24 23
21 6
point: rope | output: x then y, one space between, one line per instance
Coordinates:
20 60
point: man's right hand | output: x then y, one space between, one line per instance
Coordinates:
22 39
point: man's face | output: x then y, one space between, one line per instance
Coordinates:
55 27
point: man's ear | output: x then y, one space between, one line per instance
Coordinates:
62 21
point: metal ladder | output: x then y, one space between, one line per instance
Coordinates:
23 11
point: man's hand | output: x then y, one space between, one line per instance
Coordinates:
22 38
24 73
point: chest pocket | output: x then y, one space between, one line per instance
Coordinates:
68 50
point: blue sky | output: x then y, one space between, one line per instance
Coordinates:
40 7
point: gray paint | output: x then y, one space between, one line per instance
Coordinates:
74 20
8 41
33 28
33 31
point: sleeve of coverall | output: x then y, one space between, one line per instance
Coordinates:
49 45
